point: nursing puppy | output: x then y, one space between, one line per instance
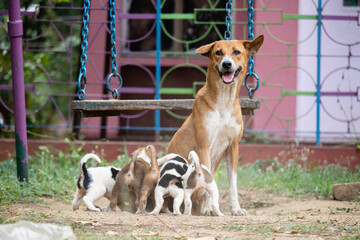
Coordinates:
200 180
94 183
215 126
149 182
180 179
170 182
131 177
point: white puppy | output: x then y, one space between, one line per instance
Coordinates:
200 180
94 183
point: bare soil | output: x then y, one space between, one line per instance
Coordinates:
269 217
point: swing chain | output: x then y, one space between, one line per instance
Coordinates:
250 25
228 20
112 12
84 47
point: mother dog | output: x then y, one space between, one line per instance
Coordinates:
215 126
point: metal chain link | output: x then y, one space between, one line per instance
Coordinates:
228 20
114 92
84 47
250 25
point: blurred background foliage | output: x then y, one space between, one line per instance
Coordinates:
49 49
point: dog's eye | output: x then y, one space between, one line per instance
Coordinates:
236 52
218 53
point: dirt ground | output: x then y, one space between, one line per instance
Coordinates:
269 217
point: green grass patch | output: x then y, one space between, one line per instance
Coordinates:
290 178
54 174
51 174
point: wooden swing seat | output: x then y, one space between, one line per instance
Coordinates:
98 108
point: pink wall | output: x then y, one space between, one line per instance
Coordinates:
95 66
276 112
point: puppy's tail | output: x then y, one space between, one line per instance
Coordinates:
154 162
134 156
85 159
166 158
194 158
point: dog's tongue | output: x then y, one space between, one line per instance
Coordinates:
228 76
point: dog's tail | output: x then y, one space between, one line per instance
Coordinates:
85 159
154 162
134 156
166 158
194 158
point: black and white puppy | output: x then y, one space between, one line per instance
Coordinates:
181 180
170 181
94 183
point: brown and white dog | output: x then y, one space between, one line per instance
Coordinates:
215 126
139 177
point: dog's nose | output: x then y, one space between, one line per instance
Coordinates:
227 64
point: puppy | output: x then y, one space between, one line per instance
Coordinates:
94 183
131 177
200 180
170 182
215 126
149 181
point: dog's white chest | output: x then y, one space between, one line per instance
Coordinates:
222 129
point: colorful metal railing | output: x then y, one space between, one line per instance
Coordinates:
326 94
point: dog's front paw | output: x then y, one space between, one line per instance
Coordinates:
238 212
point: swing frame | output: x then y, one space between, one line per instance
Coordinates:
99 108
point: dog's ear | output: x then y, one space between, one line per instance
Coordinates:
253 45
205 50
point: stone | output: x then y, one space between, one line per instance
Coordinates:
346 191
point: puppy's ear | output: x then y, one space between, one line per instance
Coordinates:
205 50
253 45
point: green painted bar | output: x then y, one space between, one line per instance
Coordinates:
186 91
296 93
297 16
171 16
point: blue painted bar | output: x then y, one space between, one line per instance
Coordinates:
158 65
318 86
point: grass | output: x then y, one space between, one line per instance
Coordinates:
51 174
54 174
290 178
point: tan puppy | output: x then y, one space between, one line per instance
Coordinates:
136 177
215 126
149 182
